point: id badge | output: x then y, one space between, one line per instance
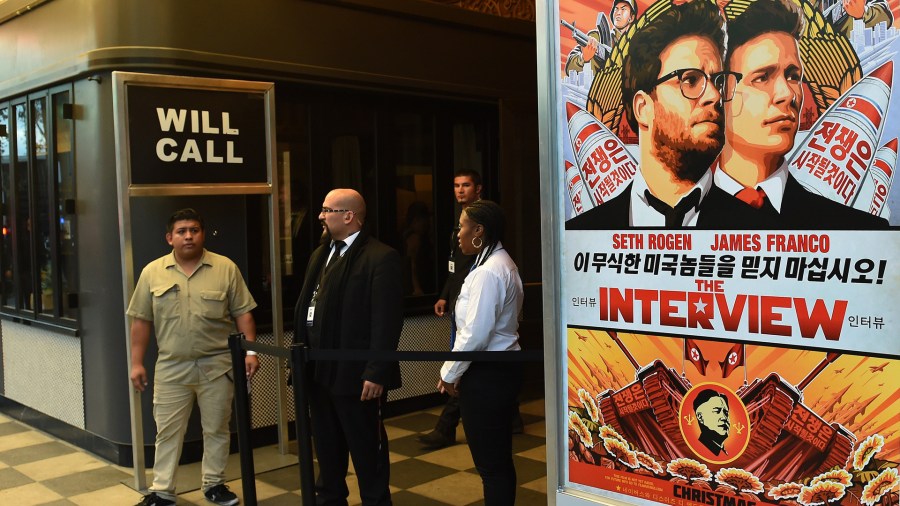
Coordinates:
311 310
310 314
451 266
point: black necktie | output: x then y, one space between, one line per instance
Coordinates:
338 246
674 215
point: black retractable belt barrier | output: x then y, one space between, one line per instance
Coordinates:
242 415
298 356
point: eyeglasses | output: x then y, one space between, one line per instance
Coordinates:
693 82
330 210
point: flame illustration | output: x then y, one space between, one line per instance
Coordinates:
820 493
740 480
879 486
867 449
590 405
785 491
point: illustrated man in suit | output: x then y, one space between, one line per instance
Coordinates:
711 410
672 90
761 123
351 299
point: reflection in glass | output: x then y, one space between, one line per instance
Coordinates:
65 192
23 229
413 139
470 146
6 247
43 222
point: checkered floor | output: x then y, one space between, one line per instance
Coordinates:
36 468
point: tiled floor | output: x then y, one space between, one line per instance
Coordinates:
38 469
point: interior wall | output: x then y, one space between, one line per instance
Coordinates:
57 389
99 264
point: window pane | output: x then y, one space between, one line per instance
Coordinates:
470 146
413 148
43 221
22 230
6 249
65 180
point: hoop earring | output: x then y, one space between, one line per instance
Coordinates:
480 242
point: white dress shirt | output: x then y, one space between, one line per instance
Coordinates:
643 215
487 310
773 185
347 242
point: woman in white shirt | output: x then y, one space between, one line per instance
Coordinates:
487 319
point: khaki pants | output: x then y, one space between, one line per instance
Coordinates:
172 404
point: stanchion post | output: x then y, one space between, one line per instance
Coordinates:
242 415
303 425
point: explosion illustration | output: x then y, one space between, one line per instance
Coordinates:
867 449
837 475
785 491
607 432
820 493
689 469
590 405
621 452
580 429
740 480
649 462
879 486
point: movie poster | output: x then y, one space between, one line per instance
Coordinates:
731 250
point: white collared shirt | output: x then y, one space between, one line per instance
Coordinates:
773 185
643 215
347 242
487 311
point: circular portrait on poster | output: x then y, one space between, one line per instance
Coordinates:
714 423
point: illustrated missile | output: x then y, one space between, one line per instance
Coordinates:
833 158
578 196
601 158
877 185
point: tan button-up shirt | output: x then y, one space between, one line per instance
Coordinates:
192 315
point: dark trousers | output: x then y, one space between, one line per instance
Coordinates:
342 425
449 418
487 399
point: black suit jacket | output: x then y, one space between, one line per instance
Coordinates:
802 209
359 306
718 211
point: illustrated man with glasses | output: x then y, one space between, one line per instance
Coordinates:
673 87
352 299
762 119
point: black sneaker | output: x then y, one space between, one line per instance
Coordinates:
152 499
221 495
